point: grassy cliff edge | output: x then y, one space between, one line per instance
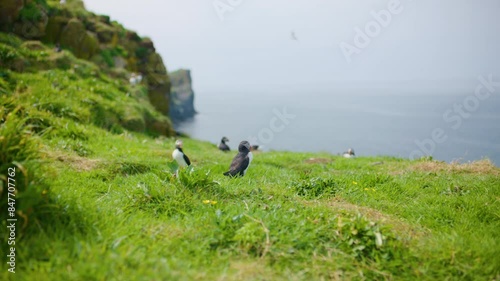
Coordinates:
95 198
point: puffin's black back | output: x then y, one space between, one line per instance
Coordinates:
223 146
238 166
186 158
240 161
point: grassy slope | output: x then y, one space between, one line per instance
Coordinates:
117 214
67 87
105 206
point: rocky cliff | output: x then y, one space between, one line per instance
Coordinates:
115 50
182 95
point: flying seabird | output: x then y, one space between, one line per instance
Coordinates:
179 156
223 146
241 161
293 36
349 153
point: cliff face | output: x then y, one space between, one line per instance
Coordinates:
182 95
116 50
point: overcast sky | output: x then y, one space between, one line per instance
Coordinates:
248 45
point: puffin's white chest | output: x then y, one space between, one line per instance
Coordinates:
179 158
250 157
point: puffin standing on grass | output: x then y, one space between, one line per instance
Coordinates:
349 153
241 161
179 156
223 146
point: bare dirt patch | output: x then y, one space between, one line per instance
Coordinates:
74 161
400 227
318 161
248 270
481 167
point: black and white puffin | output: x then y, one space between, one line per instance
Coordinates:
223 146
349 153
179 155
241 161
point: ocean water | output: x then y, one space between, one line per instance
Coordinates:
404 125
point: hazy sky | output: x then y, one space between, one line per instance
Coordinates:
249 45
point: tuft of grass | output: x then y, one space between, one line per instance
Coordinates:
484 166
22 192
315 187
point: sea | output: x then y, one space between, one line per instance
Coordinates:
450 127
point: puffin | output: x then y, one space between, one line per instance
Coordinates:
135 79
241 161
179 155
223 146
349 153
138 78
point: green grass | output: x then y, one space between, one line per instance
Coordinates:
97 199
60 85
117 213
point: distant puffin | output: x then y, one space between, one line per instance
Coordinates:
179 156
57 48
135 79
138 78
223 146
349 153
241 161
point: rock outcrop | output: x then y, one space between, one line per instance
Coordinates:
9 10
75 37
182 95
